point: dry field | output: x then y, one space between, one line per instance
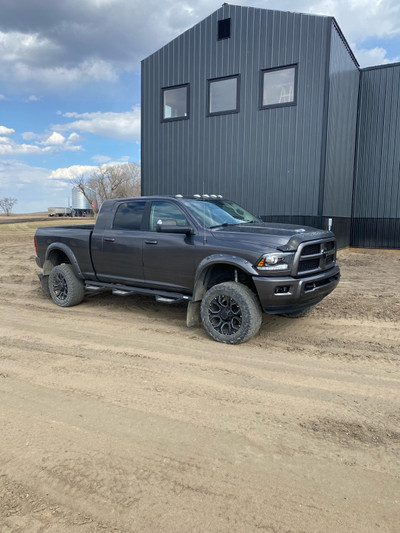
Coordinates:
115 417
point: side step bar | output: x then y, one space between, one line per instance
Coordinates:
123 290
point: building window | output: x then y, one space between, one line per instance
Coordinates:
278 87
175 102
223 95
224 29
129 216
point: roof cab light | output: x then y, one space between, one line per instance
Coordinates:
275 261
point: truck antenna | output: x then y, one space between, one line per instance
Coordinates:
204 216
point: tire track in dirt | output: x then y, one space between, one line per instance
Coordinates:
117 417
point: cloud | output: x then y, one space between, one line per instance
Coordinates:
51 143
37 188
101 159
30 136
69 174
12 148
360 19
31 186
74 138
373 56
58 76
55 139
41 63
32 98
124 126
59 45
12 172
6 131
50 46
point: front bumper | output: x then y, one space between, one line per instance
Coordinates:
286 294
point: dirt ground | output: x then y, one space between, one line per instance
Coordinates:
116 417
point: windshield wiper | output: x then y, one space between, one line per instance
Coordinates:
223 225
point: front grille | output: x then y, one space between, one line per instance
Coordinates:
309 264
313 249
315 257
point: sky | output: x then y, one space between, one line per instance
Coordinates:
70 79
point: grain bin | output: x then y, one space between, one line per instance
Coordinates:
80 205
79 202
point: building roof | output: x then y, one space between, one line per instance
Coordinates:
225 7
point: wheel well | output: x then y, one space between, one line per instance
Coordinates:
220 273
55 257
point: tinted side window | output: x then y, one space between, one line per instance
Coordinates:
129 216
168 213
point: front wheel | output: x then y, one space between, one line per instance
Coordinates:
65 288
231 313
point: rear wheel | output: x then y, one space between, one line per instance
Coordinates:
65 288
231 313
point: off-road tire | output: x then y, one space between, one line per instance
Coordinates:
299 314
231 313
65 288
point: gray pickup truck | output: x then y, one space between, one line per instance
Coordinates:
225 262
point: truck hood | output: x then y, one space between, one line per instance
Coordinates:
284 237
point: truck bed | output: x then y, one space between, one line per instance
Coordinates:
67 238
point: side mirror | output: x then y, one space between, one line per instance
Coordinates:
171 228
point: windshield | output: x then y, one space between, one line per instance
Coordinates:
214 213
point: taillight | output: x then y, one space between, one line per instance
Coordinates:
34 240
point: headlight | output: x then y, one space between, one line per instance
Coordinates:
275 261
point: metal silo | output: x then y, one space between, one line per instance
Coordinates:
81 207
79 202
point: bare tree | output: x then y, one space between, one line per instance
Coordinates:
110 181
116 181
6 204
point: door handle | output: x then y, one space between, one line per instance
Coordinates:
109 239
151 242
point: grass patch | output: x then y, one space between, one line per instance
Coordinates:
30 227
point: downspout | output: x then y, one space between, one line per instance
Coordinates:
321 194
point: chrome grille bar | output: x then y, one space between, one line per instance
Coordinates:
313 257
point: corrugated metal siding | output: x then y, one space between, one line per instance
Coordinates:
377 178
375 232
341 133
269 160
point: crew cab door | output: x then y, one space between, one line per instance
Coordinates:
117 250
168 258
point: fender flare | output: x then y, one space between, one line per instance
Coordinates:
218 259
59 246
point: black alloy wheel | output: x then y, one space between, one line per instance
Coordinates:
60 286
231 313
225 314
65 288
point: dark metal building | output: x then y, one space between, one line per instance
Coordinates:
260 106
376 203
